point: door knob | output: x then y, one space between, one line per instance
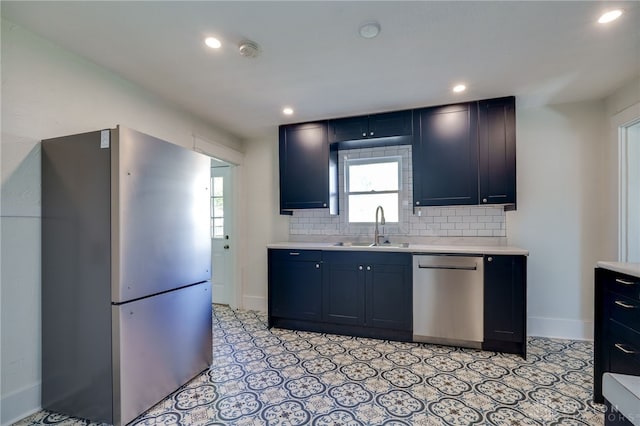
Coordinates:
226 246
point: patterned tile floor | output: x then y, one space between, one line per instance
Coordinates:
285 378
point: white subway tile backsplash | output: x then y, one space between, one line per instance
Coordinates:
466 221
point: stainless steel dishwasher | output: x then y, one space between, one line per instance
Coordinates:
448 300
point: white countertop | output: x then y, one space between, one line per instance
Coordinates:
412 248
623 392
622 267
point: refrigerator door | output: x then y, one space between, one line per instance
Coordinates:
160 216
159 343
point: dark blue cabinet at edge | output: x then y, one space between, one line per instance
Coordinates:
616 335
505 306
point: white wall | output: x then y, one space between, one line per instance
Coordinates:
48 92
263 223
559 150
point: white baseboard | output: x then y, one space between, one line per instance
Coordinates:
20 404
254 303
560 328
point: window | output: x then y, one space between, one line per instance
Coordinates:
217 207
370 183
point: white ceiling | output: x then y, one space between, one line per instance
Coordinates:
313 59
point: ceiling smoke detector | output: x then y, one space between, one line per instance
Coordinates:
248 49
369 30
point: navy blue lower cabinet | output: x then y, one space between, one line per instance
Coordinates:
505 306
388 291
343 290
353 293
295 284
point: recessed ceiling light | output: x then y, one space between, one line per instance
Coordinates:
370 30
212 42
611 15
459 88
287 111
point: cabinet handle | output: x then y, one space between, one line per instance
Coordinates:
625 282
417 203
317 266
623 349
371 134
324 204
489 259
368 268
364 134
294 253
360 268
484 200
624 304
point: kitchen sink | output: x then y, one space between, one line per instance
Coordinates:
360 244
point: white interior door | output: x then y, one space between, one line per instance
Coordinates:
221 240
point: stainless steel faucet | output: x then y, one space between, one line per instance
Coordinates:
376 233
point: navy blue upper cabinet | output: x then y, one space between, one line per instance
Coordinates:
497 150
384 125
305 164
445 155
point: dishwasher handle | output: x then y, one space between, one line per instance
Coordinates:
459 268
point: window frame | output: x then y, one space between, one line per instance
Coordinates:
373 160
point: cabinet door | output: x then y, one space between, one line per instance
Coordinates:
504 298
497 151
295 284
343 289
445 156
388 295
347 129
397 123
304 166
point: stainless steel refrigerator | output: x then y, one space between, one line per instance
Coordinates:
126 259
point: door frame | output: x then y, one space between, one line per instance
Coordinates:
236 160
620 122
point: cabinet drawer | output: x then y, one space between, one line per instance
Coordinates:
623 347
624 310
295 255
625 285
